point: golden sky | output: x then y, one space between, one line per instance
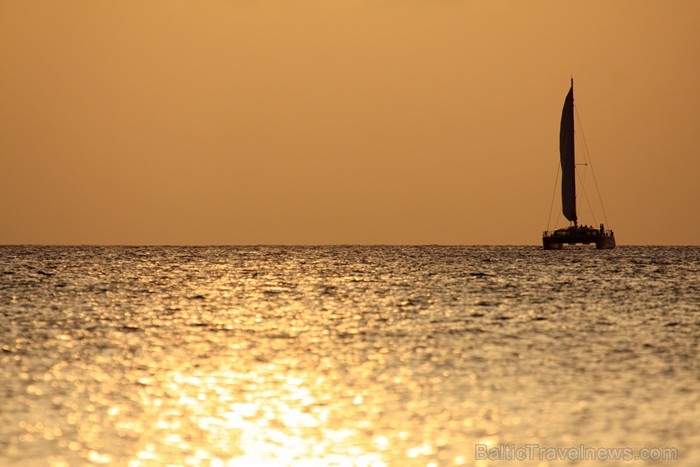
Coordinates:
316 122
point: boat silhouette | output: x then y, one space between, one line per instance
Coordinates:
574 233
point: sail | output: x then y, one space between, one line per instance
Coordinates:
566 154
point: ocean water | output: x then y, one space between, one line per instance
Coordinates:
347 355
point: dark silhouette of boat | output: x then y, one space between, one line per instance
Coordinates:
575 233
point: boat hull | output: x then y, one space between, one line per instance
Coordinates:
603 240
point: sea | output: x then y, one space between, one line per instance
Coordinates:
349 355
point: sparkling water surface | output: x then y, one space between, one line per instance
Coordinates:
344 355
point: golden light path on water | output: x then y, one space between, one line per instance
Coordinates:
237 410
282 420
271 415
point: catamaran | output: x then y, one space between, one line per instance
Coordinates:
574 233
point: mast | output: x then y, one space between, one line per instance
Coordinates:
567 158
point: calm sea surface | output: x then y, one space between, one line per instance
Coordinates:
345 355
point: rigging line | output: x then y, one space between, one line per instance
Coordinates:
585 195
590 161
554 192
558 219
581 178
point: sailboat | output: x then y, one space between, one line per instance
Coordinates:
575 233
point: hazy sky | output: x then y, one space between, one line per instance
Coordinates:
309 122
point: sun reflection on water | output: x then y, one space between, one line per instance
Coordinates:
258 417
